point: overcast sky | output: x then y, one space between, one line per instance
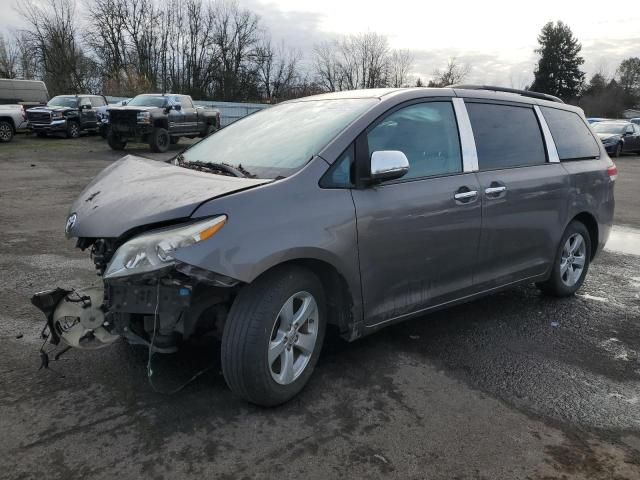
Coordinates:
496 38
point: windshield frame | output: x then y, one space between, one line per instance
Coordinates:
164 100
368 103
620 127
69 102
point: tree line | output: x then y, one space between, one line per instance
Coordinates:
218 50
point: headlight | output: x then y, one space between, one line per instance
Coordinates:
144 117
154 250
56 115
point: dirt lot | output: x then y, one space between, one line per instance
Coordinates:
512 386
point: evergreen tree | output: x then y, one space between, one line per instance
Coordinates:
558 72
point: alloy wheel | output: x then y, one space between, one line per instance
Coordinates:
5 132
573 259
293 338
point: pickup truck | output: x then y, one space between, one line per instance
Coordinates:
160 120
67 114
12 118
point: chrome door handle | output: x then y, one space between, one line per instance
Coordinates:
465 195
491 190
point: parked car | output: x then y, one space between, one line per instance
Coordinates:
596 119
67 114
358 209
635 121
618 136
159 119
12 118
28 93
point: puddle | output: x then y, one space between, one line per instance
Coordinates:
624 240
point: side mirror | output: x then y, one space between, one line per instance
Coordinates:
177 107
388 165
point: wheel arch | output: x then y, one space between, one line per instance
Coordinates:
589 221
343 309
10 120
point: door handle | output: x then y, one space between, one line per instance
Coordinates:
466 195
492 190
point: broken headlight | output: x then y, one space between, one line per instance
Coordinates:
154 250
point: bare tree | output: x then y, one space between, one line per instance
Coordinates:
51 40
9 59
327 67
453 73
277 69
400 66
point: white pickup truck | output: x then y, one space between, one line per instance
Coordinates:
12 118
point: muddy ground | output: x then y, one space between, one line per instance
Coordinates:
512 386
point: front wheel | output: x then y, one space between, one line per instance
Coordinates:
6 131
114 141
571 264
273 336
159 140
73 130
618 150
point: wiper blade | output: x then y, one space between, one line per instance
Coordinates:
223 168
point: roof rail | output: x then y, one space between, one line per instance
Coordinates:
524 93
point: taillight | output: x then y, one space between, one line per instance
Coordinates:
612 171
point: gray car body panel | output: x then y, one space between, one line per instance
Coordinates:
395 244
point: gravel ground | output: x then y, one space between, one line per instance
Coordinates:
512 386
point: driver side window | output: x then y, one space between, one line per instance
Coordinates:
427 133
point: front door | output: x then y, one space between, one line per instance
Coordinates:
524 195
417 236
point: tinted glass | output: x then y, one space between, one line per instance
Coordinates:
148 101
71 102
277 141
610 127
426 133
186 101
97 101
340 174
506 136
570 134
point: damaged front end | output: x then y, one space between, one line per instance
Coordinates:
146 296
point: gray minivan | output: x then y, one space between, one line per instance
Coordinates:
357 209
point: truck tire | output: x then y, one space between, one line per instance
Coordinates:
73 129
6 131
159 140
115 142
209 130
273 335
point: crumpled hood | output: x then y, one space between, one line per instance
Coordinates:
608 136
135 191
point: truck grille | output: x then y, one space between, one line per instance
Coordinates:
39 117
123 121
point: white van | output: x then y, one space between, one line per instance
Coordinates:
28 93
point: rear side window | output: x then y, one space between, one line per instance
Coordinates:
427 133
506 136
570 134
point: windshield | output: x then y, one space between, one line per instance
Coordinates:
148 101
63 102
613 128
277 141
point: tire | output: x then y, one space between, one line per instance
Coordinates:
159 140
618 151
6 131
104 132
255 324
209 130
73 130
565 279
115 142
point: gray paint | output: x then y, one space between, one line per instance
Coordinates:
403 248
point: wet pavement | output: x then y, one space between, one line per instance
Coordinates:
516 385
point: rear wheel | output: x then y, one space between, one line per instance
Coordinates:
273 336
73 130
159 140
571 264
209 130
6 131
618 150
115 142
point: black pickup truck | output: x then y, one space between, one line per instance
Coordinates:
67 114
160 120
